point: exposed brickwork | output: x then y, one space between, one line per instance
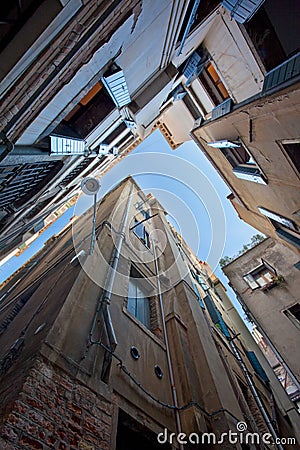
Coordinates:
54 411
259 421
54 55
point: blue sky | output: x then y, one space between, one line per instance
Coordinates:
192 192
187 186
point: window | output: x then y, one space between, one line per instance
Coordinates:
139 436
204 8
285 228
116 85
287 223
88 113
242 10
140 231
192 107
243 164
267 34
292 149
213 84
138 301
261 277
196 290
256 365
293 313
146 213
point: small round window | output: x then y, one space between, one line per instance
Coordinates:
158 372
134 353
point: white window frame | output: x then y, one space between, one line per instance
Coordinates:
287 223
252 282
251 170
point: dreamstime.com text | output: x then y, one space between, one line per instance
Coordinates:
241 436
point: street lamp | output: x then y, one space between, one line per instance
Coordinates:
91 186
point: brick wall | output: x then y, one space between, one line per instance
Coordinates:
55 411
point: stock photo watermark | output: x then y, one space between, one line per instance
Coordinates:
241 436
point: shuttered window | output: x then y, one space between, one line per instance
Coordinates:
242 10
261 276
243 164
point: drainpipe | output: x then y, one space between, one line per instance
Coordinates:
94 226
111 275
169 361
256 395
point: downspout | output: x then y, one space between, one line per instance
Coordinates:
169 361
94 226
111 275
256 395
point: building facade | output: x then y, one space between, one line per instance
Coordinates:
266 281
82 88
279 369
125 342
252 134
65 90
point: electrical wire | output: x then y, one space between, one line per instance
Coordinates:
166 405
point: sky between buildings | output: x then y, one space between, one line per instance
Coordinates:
186 185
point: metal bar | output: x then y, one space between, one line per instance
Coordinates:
169 361
144 220
94 226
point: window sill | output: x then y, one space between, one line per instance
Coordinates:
268 286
